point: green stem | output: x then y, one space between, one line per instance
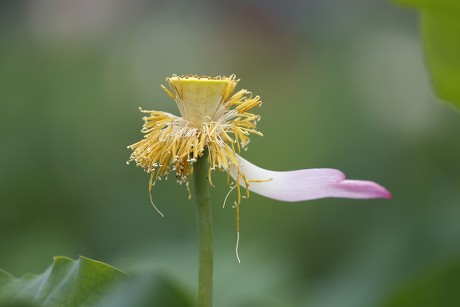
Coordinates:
204 223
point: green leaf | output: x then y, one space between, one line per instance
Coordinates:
440 24
67 282
86 282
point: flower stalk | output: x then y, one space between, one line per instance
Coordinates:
204 228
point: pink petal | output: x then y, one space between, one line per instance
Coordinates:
307 184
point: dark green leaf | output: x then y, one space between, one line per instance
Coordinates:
85 282
66 282
440 23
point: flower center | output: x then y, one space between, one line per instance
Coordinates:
198 98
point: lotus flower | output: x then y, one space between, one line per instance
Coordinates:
217 120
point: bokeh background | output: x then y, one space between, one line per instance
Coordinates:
344 85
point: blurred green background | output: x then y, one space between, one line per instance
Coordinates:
344 86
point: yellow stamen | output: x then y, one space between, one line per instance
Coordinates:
213 118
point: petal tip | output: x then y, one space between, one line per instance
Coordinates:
381 192
386 194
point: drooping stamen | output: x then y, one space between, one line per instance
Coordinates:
151 201
237 246
237 206
228 194
151 184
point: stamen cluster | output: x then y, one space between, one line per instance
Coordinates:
213 118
